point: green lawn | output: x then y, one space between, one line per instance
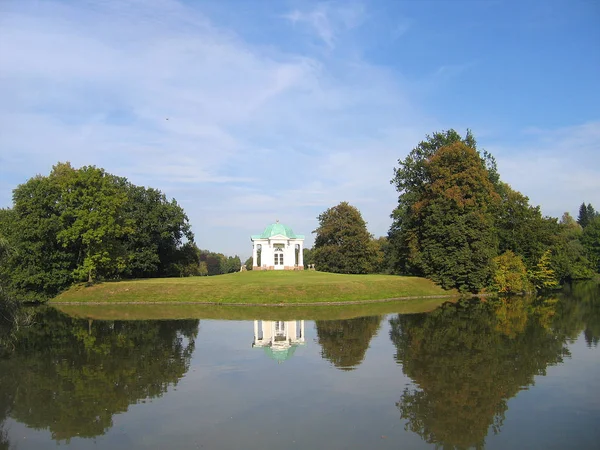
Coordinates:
256 288
236 312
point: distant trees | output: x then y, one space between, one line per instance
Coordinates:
342 242
307 257
199 262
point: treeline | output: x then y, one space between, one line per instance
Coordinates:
85 225
196 262
460 225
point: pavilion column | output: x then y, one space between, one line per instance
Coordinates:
300 257
254 255
255 331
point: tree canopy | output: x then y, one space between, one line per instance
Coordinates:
85 225
342 242
455 217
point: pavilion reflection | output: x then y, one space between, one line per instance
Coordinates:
278 338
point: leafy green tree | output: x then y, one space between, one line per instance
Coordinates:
342 243
216 263
453 239
86 224
510 274
380 246
40 266
569 259
410 180
248 263
543 276
160 228
233 264
591 241
451 221
521 228
93 220
202 269
345 342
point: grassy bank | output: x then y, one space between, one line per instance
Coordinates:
232 312
256 288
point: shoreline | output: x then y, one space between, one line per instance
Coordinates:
280 304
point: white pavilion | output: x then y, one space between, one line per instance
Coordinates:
280 249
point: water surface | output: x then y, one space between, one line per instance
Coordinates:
523 373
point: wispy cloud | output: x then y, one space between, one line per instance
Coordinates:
328 20
556 168
169 100
241 132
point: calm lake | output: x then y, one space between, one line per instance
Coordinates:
521 373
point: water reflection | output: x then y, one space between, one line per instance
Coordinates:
462 363
70 376
345 342
279 338
468 359
578 307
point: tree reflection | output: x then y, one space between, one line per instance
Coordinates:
580 302
468 359
70 376
345 342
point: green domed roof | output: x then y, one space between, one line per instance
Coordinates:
280 355
277 229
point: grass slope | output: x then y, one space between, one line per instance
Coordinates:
256 288
236 312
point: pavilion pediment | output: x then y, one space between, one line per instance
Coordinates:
279 237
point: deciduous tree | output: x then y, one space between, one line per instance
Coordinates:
591 241
452 240
342 243
410 180
510 274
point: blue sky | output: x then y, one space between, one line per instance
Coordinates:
281 109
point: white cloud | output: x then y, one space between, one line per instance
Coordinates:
328 21
239 134
556 168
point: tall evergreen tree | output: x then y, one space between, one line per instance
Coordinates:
586 214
